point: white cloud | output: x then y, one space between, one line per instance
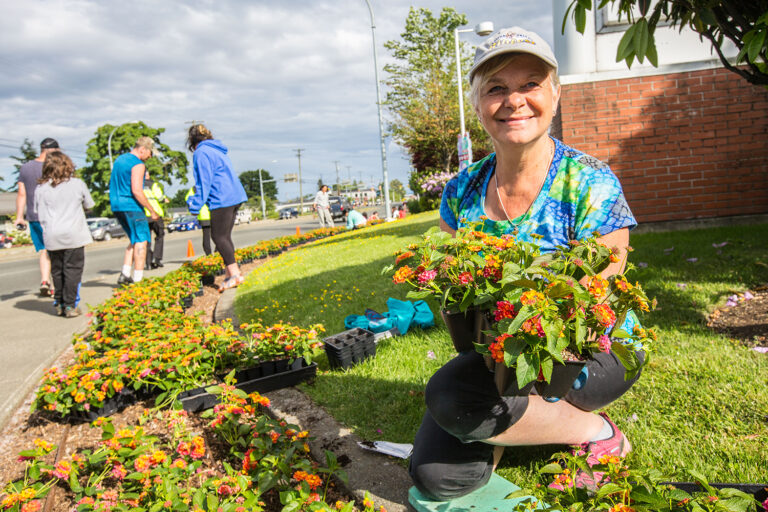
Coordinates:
267 76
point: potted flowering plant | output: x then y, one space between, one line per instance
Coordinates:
282 341
454 272
536 310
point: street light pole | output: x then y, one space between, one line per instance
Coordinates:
261 191
109 146
301 193
482 29
381 126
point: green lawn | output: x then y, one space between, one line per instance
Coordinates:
702 402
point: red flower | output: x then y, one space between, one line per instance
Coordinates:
466 277
604 314
504 309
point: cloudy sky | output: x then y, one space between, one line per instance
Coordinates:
267 76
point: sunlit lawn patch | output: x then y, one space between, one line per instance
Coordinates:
701 403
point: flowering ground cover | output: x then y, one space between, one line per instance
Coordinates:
142 340
699 405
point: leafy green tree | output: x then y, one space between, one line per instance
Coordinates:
423 94
396 189
28 153
743 22
179 200
250 181
168 166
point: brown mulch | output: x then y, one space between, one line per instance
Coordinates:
747 321
23 428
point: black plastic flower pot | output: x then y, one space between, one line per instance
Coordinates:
506 381
207 279
461 328
563 377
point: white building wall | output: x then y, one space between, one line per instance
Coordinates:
592 56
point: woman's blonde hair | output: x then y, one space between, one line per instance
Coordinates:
57 168
493 66
197 134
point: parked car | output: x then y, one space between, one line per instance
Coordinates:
243 217
105 229
184 223
339 207
5 240
289 213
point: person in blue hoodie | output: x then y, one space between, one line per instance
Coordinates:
218 187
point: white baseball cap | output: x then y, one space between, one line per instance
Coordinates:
511 40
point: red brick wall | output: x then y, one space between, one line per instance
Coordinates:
684 145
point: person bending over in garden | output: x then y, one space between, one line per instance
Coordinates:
127 200
60 201
218 187
544 192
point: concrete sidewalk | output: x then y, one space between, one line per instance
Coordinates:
34 337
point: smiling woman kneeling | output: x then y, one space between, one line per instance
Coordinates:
545 192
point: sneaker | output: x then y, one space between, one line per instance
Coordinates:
157 264
59 310
45 289
617 445
71 312
124 280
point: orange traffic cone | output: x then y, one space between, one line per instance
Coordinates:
298 231
190 249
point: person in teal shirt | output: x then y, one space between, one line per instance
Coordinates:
539 190
355 219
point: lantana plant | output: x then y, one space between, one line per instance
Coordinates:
615 486
543 308
283 341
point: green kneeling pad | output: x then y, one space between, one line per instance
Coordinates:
488 498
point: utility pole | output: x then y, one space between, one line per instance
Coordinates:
338 189
261 191
301 194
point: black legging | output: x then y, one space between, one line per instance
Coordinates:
464 408
222 222
206 227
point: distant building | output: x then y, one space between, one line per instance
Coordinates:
688 140
360 195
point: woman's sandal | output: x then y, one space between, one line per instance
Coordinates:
231 282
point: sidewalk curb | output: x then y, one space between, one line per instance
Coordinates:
386 481
26 392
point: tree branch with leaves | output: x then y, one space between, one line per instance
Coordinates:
166 167
743 22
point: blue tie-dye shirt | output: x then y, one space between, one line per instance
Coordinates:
580 196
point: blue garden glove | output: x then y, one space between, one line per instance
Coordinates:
577 384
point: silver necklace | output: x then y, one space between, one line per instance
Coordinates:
498 193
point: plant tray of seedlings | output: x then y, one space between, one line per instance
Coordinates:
350 347
263 377
266 377
197 399
112 405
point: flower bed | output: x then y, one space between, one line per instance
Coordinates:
142 343
617 487
263 465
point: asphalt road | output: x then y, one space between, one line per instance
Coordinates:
19 273
32 337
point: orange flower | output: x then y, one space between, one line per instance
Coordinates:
597 286
402 274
